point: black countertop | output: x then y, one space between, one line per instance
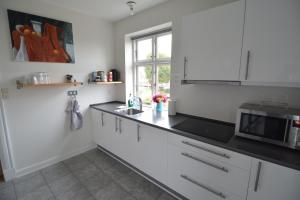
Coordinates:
268 152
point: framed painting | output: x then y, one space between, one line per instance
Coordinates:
40 39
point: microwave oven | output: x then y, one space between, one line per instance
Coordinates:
276 125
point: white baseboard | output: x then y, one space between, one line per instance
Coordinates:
51 161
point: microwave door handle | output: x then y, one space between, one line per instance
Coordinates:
288 122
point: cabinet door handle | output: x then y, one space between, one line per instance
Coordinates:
257 176
205 162
116 124
102 121
247 65
138 133
184 68
215 192
207 150
120 125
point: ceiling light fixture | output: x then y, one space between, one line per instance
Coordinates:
131 4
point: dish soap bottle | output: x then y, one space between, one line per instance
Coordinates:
130 101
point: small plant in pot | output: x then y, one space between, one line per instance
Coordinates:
159 99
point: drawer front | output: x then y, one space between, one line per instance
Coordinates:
194 188
208 170
207 150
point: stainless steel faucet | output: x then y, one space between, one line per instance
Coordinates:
140 102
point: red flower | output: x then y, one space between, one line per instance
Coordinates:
159 98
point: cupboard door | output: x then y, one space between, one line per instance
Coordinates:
212 42
107 126
271 41
152 152
269 181
126 142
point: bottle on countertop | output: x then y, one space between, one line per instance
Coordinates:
130 101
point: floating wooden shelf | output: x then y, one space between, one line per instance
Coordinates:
48 85
105 83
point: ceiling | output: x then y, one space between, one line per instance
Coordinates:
112 10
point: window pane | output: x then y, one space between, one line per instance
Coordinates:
144 83
164 72
144 48
164 46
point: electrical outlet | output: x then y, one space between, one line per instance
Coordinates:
4 93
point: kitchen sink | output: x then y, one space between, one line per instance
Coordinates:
129 111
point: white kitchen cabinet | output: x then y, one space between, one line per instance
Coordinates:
103 128
212 42
269 181
152 152
125 141
271 47
200 171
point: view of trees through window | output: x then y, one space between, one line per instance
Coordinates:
153 66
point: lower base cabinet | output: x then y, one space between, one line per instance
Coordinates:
142 146
270 181
192 168
196 175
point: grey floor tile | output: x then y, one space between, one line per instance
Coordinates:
75 193
42 193
7 191
146 190
105 162
77 162
166 196
94 154
28 184
64 184
95 183
112 192
26 177
131 181
55 172
118 171
88 171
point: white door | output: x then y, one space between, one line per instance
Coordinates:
152 152
269 181
271 50
103 129
212 42
96 126
125 141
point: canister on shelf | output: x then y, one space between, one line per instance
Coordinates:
110 76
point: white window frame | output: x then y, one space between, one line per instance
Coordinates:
155 62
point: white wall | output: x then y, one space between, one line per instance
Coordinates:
212 101
36 117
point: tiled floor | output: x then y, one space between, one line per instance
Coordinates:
89 176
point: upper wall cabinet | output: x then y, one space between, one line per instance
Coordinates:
212 43
271 49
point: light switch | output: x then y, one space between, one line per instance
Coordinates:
4 93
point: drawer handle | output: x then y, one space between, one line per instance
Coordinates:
219 194
120 125
102 121
138 133
116 124
205 162
257 176
207 150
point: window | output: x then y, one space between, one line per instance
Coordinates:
152 65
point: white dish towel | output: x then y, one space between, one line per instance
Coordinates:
75 115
